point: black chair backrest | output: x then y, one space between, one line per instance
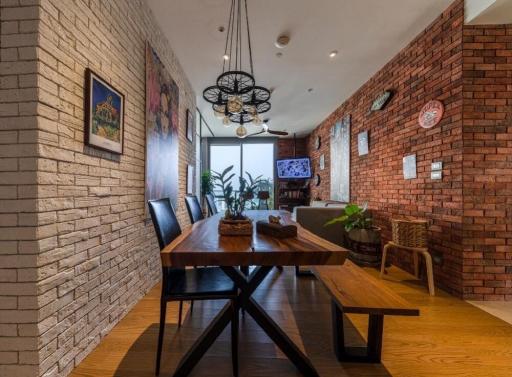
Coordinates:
193 208
166 224
212 207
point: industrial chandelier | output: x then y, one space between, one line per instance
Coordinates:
236 98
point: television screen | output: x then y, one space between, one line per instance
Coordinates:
294 168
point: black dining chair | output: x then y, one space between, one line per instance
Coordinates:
178 284
194 208
212 207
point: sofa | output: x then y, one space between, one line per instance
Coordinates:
314 217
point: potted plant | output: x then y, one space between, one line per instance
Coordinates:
363 238
207 184
234 221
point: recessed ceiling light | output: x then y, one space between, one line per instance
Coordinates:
310 90
279 54
221 29
282 41
225 57
333 53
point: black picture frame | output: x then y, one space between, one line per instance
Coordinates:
190 126
90 138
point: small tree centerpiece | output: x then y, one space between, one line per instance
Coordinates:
234 222
363 238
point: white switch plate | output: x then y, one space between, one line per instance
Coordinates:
437 165
436 175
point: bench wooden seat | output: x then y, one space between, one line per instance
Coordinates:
354 291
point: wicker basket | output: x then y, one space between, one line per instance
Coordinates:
410 233
235 227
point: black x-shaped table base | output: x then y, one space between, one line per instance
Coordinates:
246 285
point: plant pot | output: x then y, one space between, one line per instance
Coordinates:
365 246
229 227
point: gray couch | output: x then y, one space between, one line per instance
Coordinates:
314 218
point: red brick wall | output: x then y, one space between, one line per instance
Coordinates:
487 162
285 148
430 67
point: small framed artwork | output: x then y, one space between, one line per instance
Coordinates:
409 166
322 162
104 114
318 142
190 126
190 179
362 143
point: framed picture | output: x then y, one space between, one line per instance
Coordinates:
322 162
104 114
162 131
362 143
190 179
190 126
340 160
409 163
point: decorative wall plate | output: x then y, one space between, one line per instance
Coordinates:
431 114
318 142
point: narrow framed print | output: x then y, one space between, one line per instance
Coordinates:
104 114
190 179
190 126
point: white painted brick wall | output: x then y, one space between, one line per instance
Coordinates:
75 250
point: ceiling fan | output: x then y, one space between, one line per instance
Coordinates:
266 130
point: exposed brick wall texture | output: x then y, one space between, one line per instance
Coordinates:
83 225
430 67
487 162
18 190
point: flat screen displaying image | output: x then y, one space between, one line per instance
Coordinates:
294 168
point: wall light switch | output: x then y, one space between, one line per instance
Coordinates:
437 165
436 175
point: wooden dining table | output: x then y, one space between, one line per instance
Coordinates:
201 245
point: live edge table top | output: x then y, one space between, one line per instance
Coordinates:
201 245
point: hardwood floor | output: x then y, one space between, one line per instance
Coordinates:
450 338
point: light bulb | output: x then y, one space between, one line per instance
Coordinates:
257 120
235 104
226 121
241 132
225 57
251 109
218 112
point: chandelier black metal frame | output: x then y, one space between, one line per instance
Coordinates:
235 97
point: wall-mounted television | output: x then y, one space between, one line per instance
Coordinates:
294 168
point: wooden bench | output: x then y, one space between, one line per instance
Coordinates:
354 291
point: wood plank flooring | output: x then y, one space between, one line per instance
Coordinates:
450 338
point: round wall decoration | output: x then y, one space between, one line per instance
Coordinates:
431 114
317 180
318 142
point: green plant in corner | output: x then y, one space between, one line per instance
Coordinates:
354 217
207 182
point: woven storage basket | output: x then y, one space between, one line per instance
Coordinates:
410 233
235 227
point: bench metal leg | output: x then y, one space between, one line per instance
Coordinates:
369 354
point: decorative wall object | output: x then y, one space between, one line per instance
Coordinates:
190 179
431 114
104 114
382 100
162 118
318 180
340 160
322 162
190 126
362 143
409 163
318 142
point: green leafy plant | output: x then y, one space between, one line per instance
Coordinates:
354 217
207 182
235 201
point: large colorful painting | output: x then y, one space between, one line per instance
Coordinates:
340 160
162 118
104 114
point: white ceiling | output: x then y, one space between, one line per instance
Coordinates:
367 34
488 12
